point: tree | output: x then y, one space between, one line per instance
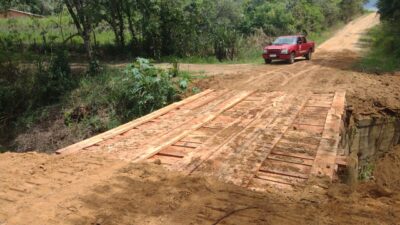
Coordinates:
389 10
390 15
272 16
350 8
84 13
131 13
330 9
309 17
225 31
113 14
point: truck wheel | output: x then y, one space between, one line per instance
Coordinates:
309 55
292 57
268 61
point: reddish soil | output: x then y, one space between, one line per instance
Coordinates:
91 187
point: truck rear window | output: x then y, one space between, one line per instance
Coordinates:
285 41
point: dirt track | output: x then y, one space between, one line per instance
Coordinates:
331 69
91 188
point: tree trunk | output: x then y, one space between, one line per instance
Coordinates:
83 23
131 26
88 45
121 24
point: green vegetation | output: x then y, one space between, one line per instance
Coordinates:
250 48
125 94
38 84
379 58
366 172
384 54
88 104
26 88
51 30
192 29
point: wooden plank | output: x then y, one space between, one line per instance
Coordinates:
280 178
325 160
301 147
297 136
201 103
285 168
315 111
175 151
288 152
198 122
185 144
290 159
312 121
317 130
316 103
121 129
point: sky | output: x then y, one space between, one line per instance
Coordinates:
371 5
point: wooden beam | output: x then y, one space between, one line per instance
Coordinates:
325 160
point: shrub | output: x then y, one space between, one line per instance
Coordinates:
24 89
384 54
142 89
53 81
120 96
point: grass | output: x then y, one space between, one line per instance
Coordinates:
26 39
52 29
384 54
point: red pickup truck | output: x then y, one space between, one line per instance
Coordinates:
288 48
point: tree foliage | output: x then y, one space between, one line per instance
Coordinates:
390 14
184 28
390 10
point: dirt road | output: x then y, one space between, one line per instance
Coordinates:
331 69
92 188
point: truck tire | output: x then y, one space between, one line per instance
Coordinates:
268 61
309 55
292 58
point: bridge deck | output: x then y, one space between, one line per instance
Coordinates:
249 138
